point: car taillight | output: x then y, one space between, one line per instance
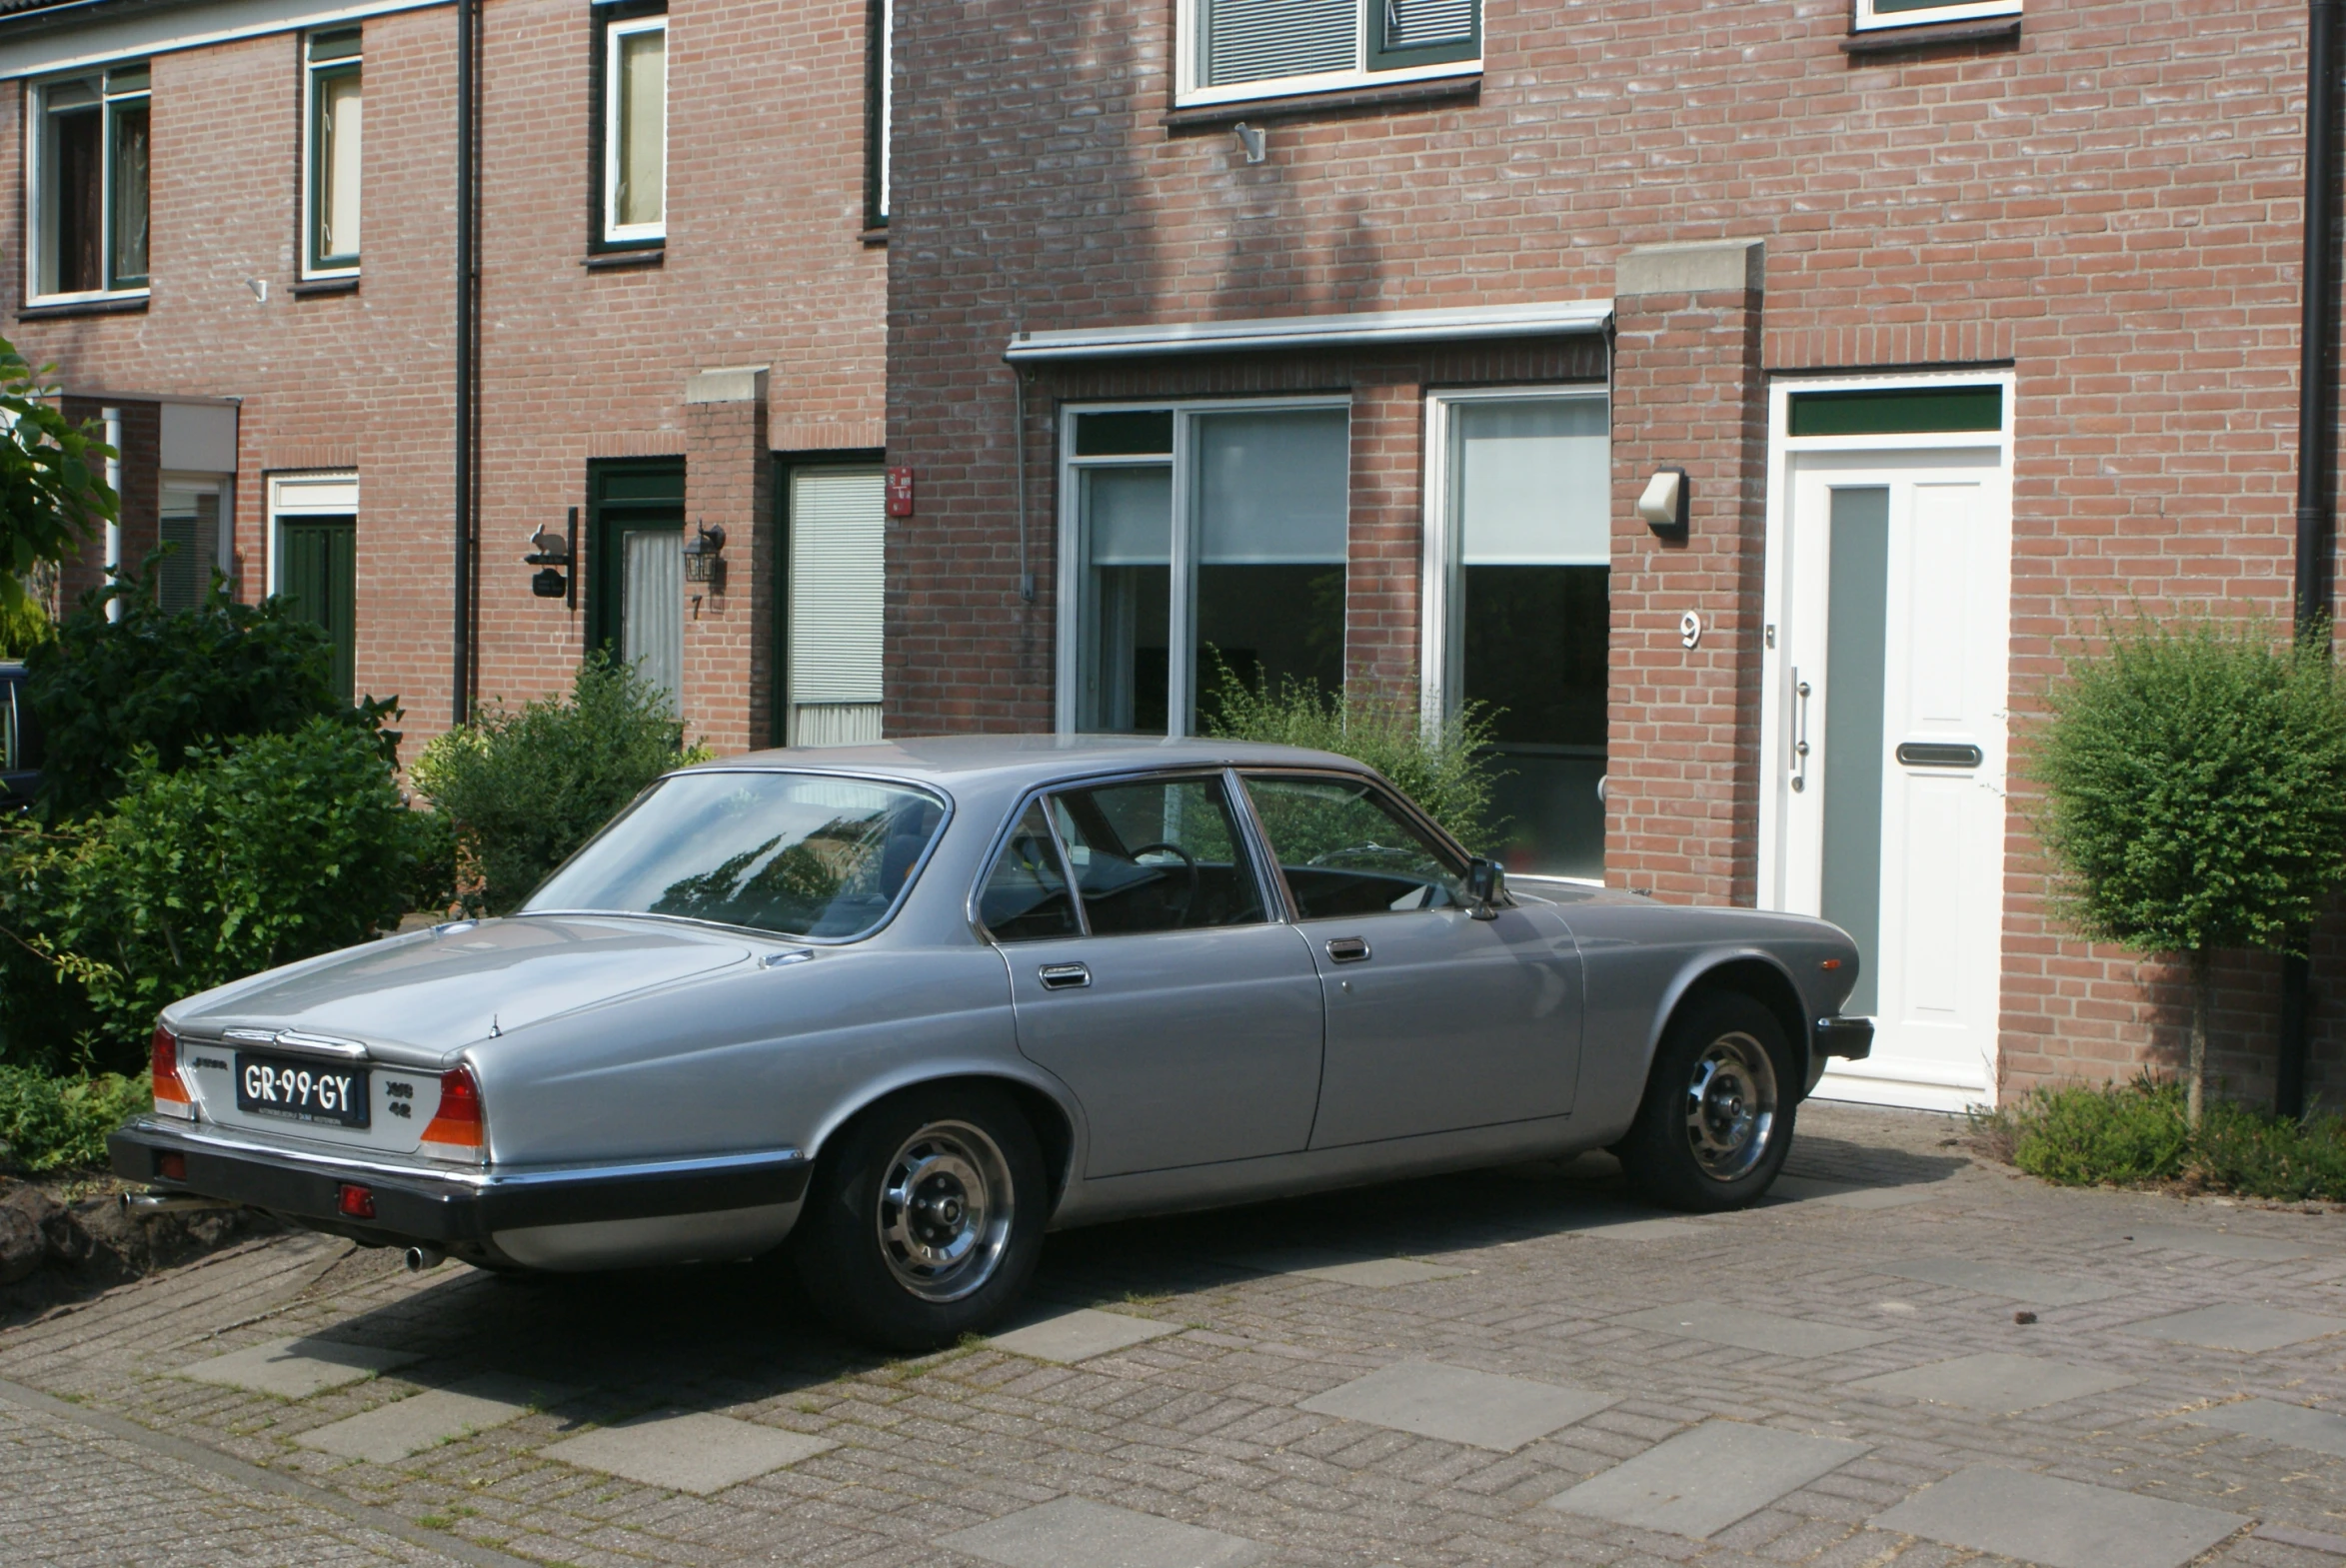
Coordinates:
171 1095
457 1127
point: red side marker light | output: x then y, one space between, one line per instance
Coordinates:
1832 964
170 1168
354 1201
171 1095
456 1128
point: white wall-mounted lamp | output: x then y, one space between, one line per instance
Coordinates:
1253 141
1663 507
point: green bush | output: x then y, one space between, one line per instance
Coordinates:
288 847
173 682
24 625
46 1122
1447 770
2138 1134
2195 795
523 790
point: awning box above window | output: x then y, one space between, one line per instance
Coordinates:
1546 318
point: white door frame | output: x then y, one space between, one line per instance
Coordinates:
317 492
1775 695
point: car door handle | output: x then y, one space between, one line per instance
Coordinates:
1348 949
1065 977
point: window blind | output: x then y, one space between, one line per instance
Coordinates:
1258 40
1534 482
1427 24
838 523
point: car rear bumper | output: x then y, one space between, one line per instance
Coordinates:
1849 1038
416 1203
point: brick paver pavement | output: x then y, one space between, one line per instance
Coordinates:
1206 1426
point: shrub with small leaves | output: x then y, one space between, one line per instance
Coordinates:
47 1122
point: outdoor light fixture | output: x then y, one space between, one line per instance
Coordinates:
553 555
1663 505
1252 140
704 556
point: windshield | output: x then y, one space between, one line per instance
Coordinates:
797 854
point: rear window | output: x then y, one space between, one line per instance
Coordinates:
800 855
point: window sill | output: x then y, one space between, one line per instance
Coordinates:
1887 40
875 235
1401 95
321 288
125 305
619 261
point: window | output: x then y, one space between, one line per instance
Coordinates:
1344 850
90 177
879 112
190 525
1163 855
1238 49
1519 548
1247 587
1026 898
837 539
1874 14
635 130
330 176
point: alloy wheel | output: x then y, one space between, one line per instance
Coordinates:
945 1209
1731 1106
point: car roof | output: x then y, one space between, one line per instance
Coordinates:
1028 759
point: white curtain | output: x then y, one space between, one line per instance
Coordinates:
339 200
652 612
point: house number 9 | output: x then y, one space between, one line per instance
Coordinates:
1689 629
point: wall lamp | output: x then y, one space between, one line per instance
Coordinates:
553 557
705 557
1663 507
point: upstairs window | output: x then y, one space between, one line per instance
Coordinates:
1238 49
635 130
89 173
1874 14
330 183
879 112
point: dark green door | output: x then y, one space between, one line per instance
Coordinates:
634 564
320 575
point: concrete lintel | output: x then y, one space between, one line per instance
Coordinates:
1704 266
727 383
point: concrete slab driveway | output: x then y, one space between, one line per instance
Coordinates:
1514 1367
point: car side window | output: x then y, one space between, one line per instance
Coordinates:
1025 899
1347 849
1161 856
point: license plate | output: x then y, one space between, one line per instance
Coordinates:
306 1090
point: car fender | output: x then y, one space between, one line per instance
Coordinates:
1063 1146
1790 1007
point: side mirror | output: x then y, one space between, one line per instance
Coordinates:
1486 889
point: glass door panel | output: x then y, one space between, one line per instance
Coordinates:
1271 508
1126 600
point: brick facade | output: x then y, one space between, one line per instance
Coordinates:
2106 202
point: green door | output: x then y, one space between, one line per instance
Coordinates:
634 564
320 575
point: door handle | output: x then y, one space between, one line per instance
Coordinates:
1065 977
1801 695
1348 949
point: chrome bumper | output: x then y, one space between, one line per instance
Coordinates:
420 1204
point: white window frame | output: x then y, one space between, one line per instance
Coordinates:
1188 92
36 147
319 492
1782 447
615 232
313 73
1181 655
1867 19
1441 566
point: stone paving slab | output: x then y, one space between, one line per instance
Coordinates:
389 1433
2238 1325
2277 1422
296 1368
1699 1482
2004 1279
1383 1274
2209 1241
1075 1532
1998 1383
1080 1335
2060 1524
1807 1189
698 1453
1457 1406
1629 1228
1749 1330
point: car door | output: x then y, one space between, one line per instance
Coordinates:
1185 1018
1437 1021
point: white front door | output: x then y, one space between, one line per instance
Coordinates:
1889 749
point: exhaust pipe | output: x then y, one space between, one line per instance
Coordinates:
419 1259
143 1205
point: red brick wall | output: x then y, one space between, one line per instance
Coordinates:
2110 204
763 265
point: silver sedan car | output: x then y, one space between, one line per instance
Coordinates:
907 1006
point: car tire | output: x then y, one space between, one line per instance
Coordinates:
925 1218
1721 1101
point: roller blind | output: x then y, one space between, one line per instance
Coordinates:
1427 24
1129 516
838 523
1258 40
1533 483
1273 487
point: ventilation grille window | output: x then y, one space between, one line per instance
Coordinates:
1261 40
1427 24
